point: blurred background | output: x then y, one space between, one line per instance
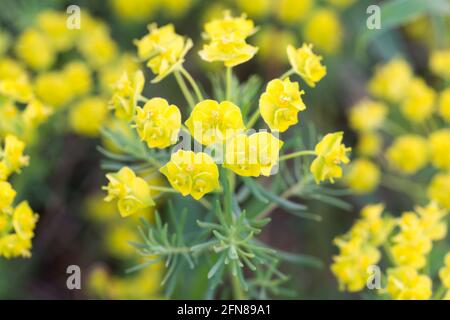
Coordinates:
64 179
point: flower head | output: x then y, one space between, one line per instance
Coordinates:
405 283
126 94
439 189
307 64
331 153
363 176
132 192
439 142
163 49
13 155
228 40
212 122
408 153
367 115
419 101
391 80
280 104
158 123
190 173
444 273
440 63
7 195
252 155
444 104
325 30
87 116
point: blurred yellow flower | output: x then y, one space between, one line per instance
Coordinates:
133 193
444 272
439 189
35 113
331 153
79 76
324 29
440 63
13 155
212 122
18 89
291 11
307 64
405 283
419 101
7 195
444 104
24 220
363 176
134 10
280 104
96 46
432 220
439 142
35 49
369 144
408 153
158 123
88 115
367 115
255 8
126 94
341 3
190 173
53 89
391 80
12 246
54 25
265 39
163 49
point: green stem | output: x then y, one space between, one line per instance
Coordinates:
187 94
238 292
298 154
229 77
253 119
193 84
163 189
440 292
287 74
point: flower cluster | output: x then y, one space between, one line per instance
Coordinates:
217 125
17 223
412 118
407 241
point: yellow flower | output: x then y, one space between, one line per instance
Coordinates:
307 64
255 8
126 95
118 239
227 36
18 89
4 171
290 11
138 11
363 176
439 148
7 195
132 192
280 104
342 3
367 115
369 144
158 123
212 122
440 63
164 50
379 227
444 104
252 155
439 189
411 244
408 153
391 80
96 45
88 115
79 76
431 218
54 25
191 173
35 113
331 152
24 220
265 39
110 74
12 245
13 153
324 30
405 283
351 265
176 8
53 89
419 101
35 49
444 273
